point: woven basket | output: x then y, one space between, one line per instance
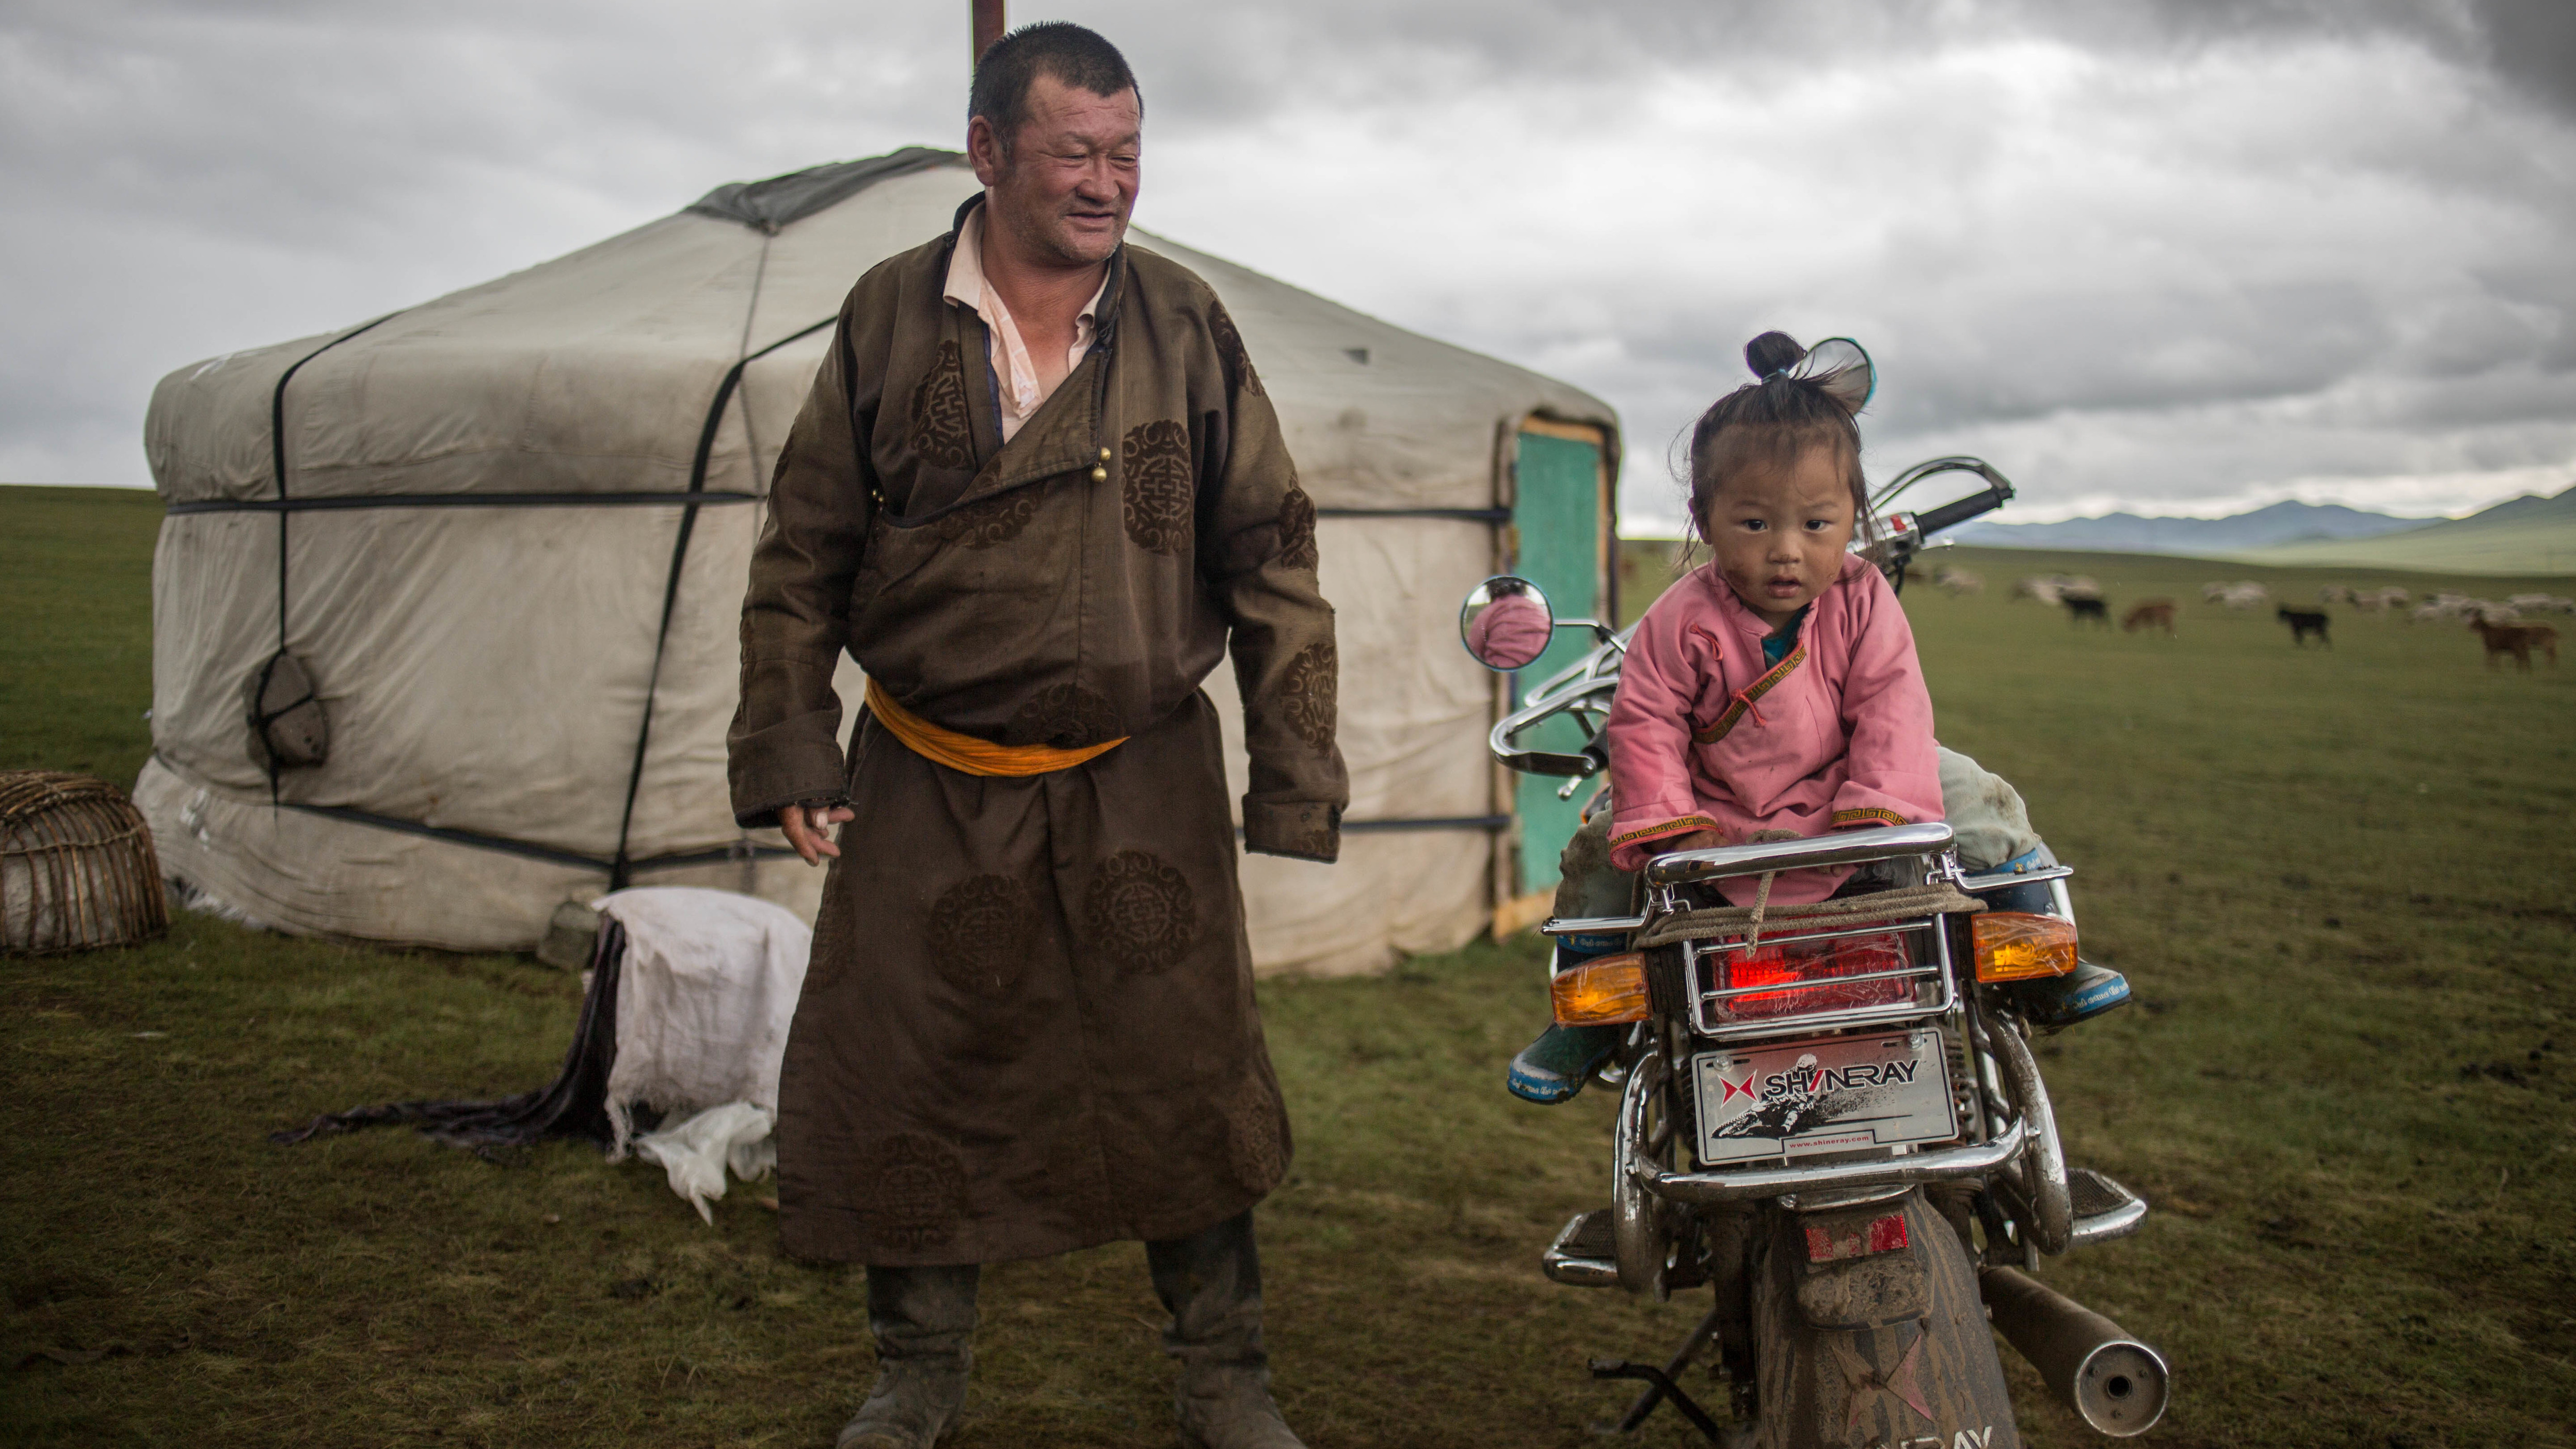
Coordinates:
77 870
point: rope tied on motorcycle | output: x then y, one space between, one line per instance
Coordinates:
1903 903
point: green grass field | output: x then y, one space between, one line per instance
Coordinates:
2338 879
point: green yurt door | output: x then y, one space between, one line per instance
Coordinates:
1563 522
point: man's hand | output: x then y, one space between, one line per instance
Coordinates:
809 827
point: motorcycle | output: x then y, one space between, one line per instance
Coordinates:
1830 1116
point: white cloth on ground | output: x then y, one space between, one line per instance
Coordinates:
704 994
696 1153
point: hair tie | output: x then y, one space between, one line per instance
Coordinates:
1838 365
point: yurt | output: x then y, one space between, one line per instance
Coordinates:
445 603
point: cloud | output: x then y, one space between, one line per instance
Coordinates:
2156 256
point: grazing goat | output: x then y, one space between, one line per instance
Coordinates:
2541 604
2079 609
2055 588
2447 607
1950 579
2149 614
2304 622
2517 640
2247 595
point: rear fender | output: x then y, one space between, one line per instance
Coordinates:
1889 1350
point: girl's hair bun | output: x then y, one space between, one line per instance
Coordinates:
1771 352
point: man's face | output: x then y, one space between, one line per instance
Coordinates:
1779 533
1070 180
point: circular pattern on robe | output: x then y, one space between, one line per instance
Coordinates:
1297 529
913 1191
940 432
1158 486
1067 716
1141 912
1256 1140
1229 349
982 931
1310 694
998 519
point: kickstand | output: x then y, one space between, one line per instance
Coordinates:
1660 1385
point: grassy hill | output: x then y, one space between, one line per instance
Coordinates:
2337 878
2528 536
1645 570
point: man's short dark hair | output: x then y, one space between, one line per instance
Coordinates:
1073 55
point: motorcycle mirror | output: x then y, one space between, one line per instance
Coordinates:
1506 623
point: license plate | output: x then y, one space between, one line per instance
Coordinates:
1832 1094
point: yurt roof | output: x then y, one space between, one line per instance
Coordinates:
616 370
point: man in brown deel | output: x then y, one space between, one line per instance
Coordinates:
1037 493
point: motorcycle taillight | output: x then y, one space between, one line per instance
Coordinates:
1809 974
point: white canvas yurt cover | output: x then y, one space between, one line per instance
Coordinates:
506 535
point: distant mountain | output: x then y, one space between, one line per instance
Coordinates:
2282 523
2527 535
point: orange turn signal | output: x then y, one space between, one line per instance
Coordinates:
2016 946
1603 992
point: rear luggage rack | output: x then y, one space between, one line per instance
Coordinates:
1926 947
1850 847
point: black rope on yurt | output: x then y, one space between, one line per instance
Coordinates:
621 869
1463 515
529 851
341 502
277 470
1446 822
1488 823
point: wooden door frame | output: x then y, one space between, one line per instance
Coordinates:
1513 912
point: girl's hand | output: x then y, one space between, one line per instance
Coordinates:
1696 840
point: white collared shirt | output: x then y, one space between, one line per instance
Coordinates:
1022 394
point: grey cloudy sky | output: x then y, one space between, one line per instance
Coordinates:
2175 257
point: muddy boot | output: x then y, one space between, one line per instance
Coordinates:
1211 1282
1555 1066
924 1322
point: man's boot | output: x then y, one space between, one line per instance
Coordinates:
924 1322
1211 1282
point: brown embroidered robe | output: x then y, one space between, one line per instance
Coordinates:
1029 1022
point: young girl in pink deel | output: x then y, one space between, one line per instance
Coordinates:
1773 692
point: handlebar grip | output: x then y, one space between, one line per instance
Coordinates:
1951 515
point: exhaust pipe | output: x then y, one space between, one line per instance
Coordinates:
2111 1380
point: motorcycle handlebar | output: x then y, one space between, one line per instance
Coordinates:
1951 515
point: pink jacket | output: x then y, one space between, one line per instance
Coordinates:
1703 735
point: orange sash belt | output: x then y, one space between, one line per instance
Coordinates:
969 754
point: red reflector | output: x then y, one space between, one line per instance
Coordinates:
1857 1240
1887 1234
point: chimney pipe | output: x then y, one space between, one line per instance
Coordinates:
988 27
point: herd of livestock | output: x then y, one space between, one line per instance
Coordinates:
2504 626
